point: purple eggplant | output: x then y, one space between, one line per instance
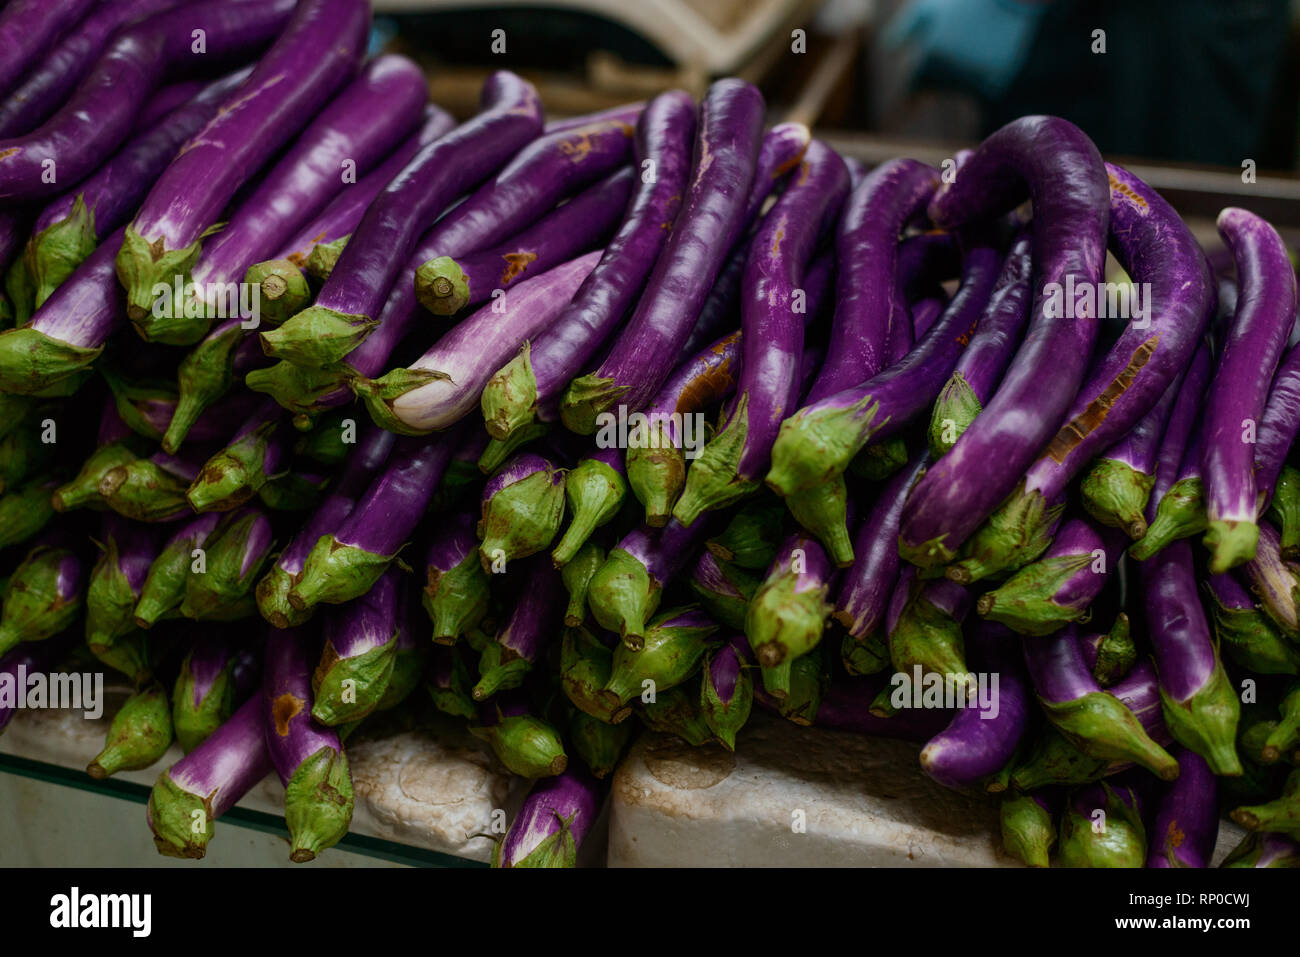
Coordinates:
985 359
711 217
29 658
348 306
524 638
726 691
456 590
1283 511
1095 721
751 537
1274 581
115 585
923 624
675 643
521 509
865 589
585 665
27 30
1278 426
150 489
69 228
724 589
101 112
531 382
356 662
164 584
1245 633
1160 253
344 563
594 490
42 597
1176 506
258 452
1120 841
788 612
1266 308
222 590
1262 849
1028 831
140 734
444 384
321 45
1110 655
1063 174
190 795
1200 704
444 286
732 464
817 443
306 755
983 735
1186 824
626 590
555 819
204 695
1058 588
526 744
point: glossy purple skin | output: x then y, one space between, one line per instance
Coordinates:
510 117
698 383
365 623
1278 426
710 221
320 48
972 746
947 596
773 340
1140 692
1139 448
664 135
229 762
1186 824
136 549
519 467
209 657
341 216
629 113
1179 633
257 544
394 503
907 389
279 443
1266 309
927 258
1077 537
1229 592
453 541
538 613
1057 667
1002 324
552 800
898 597
1271 577
87 307
724 669
213 425
709 575
1155 247
817 567
867 585
33 656
867 293
663 551
363 124
168 98
925 313
1088 798
101 112
185 466
369 455
47 84
613 457
27 30
579 225
1066 180
1180 444
13 233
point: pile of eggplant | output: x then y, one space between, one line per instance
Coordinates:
322 411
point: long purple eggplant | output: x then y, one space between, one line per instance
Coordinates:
69 228
727 691
343 564
307 756
555 819
625 591
164 585
101 112
28 28
114 587
1186 824
1095 721
1158 250
524 638
732 465
223 588
349 304
1245 633
985 359
1238 394
1063 174
521 508
537 376
983 736
258 452
321 47
1274 581
788 613
456 589
356 662
445 384
1058 588
1278 426
204 694
817 443
726 154
42 597
445 286
190 795
1201 706
924 626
